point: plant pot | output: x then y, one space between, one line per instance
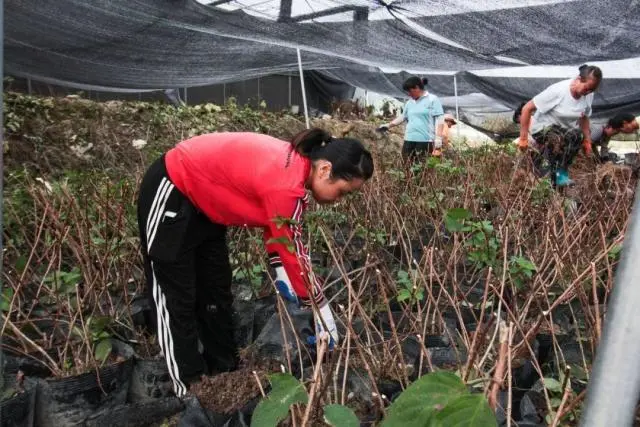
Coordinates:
150 381
18 409
138 414
264 309
244 314
73 400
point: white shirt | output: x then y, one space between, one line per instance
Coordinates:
556 106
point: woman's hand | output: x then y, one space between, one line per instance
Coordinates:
523 142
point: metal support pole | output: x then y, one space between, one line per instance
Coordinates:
614 387
304 93
3 283
289 89
29 86
455 92
186 100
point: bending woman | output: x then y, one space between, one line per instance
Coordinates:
195 191
560 125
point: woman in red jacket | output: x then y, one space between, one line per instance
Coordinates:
195 191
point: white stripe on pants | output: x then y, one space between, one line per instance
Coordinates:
165 339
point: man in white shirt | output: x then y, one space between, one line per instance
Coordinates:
561 121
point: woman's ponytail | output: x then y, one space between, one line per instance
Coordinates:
348 157
309 140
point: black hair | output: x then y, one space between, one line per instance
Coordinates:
585 71
413 82
619 120
348 157
518 113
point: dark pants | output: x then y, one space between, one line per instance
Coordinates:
414 150
189 278
558 146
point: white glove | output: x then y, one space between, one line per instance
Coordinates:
283 286
438 142
325 315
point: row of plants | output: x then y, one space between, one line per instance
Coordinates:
468 239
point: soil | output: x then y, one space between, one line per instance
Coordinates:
229 391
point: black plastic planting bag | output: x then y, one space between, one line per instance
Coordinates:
150 381
73 400
137 414
18 402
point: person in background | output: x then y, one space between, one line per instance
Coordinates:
449 122
423 114
188 198
601 134
626 123
561 124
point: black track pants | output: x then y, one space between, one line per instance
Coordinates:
189 280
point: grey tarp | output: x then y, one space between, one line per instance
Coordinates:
159 44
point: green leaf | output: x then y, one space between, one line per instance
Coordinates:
430 393
470 410
99 324
7 296
285 391
103 350
21 263
458 213
454 219
614 252
340 416
403 295
553 385
453 225
283 241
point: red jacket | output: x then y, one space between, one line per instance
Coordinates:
250 180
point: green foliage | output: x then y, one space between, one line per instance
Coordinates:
554 388
445 166
285 391
100 336
521 270
252 274
64 282
408 291
455 218
279 221
468 410
483 244
541 192
340 416
283 241
439 399
614 252
7 296
374 236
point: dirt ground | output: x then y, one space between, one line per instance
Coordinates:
229 391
